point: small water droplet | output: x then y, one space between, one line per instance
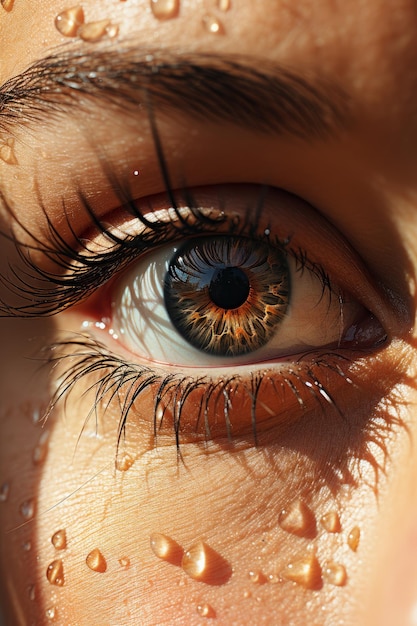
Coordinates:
69 21
124 562
205 610
353 538
213 25
55 573
112 31
247 594
32 592
335 574
27 546
274 579
27 509
7 4
41 450
50 613
165 9
298 519
305 571
96 561
59 539
4 492
7 153
124 462
94 31
194 560
166 548
257 577
224 5
331 522
36 415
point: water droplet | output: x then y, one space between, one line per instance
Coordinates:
213 25
96 561
331 522
41 449
7 153
305 572
353 538
55 573
205 610
124 462
165 9
27 546
335 574
27 509
124 562
69 21
59 539
36 415
94 31
194 560
257 577
298 519
4 492
32 592
7 4
166 548
224 5
112 31
247 594
50 613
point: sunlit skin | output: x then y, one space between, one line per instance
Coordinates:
345 460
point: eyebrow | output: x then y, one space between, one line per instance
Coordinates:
266 98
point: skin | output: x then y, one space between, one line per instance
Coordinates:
228 494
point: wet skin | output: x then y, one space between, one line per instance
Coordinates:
335 426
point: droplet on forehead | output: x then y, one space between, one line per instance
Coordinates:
165 9
69 21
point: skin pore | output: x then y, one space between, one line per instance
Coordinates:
302 509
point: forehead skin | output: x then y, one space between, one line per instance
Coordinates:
369 47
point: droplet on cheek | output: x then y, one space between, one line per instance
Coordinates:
335 574
55 573
331 522
94 31
96 561
7 4
69 21
41 450
27 509
4 492
305 571
205 610
165 9
7 151
124 462
354 538
298 519
213 25
59 539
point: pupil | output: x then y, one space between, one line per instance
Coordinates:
229 288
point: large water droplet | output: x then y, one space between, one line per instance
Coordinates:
55 573
298 519
305 571
7 153
353 538
335 574
96 561
59 539
94 31
7 4
166 548
194 560
165 9
331 522
69 21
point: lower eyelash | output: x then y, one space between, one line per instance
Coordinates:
124 382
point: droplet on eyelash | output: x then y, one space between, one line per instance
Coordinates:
124 462
331 522
353 538
96 561
305 572
213 25
27 509
224 5
194 561
165 9
124 562
32 593
166 548
335 574
55 573
59 539
205 610
7 4
4 492
69 21
7 153
94 31
257 577
298 519
41 450
50 614
27 546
